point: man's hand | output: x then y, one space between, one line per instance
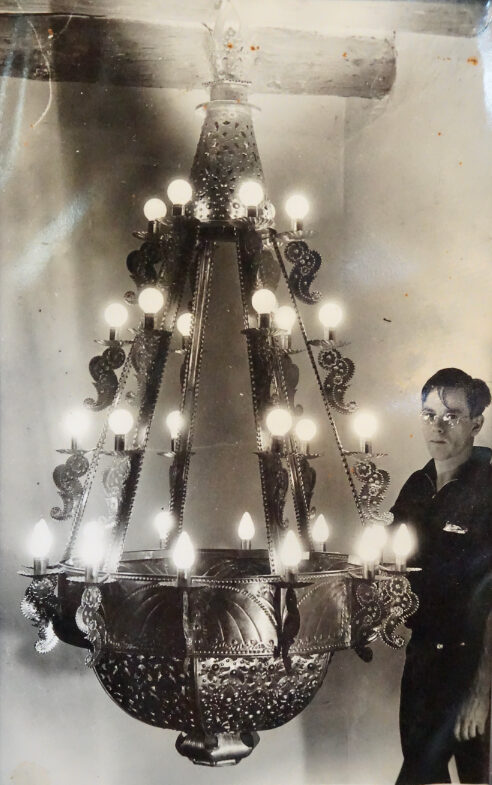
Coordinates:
474 711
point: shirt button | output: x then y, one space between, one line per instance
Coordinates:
439 646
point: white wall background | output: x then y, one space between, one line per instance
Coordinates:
401 204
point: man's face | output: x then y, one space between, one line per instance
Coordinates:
446 423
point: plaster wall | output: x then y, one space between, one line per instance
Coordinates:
401 207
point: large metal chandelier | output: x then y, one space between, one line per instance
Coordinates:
215 644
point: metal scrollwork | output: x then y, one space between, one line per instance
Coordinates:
114 480
262 368
290 627
102 369
142 263
374 485
40 606
308 474
276 487
306 265
340 371
91 623
66 477
144 355
384 606
290 376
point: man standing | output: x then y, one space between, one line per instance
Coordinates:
445 690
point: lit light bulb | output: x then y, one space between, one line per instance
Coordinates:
291 551
154 209
40 542
403 545
365 426
179 192
285 318
91 549
330 315
369 551
120 421
297 207
380 535
264 301
246 530
175 422
76 423
183 323
251 193
184 553
305 429
150 300
164 523
279 421
116 315
320 531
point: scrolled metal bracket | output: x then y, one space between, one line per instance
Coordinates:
374 483
102 369
340 371
91 623
66 477
306 265
40 606
384 605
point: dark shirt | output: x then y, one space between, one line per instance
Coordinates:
453 527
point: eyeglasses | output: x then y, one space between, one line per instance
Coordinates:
448 419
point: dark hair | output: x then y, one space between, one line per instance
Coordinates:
476 391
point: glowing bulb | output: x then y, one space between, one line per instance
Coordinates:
120 421
179 192
251 193
320 531
279 421
368 547
264 301
403 542
41 540
330 315
91 549
305 429
76 423
175 422
285 318
246 528
164 523
184 323
154 210
184 552
380 535
116 315
150 300
291 551
365 425
297 206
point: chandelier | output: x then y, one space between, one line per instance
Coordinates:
216 644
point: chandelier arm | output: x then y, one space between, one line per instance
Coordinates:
309 351
191 383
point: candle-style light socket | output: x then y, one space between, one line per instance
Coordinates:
290 575
246 545
297 224
119 442
264 321
252 212
149 321
174 444
400 564
73 444
287 341
163 543
183 577
276 444
112 333
369 570
91 573
320 547
177 209
153 228
40 566
366 446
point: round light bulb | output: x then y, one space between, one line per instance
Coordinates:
297 206
41 540
76 423
251 193
291 551
365 425
184 552
403 541
154 209
150 300
175 422
164 523
330 315
91 549
183 323
320 531
285 318
305 429
279 421
116 315
179 192
246 528
120 421
368 546
264 301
